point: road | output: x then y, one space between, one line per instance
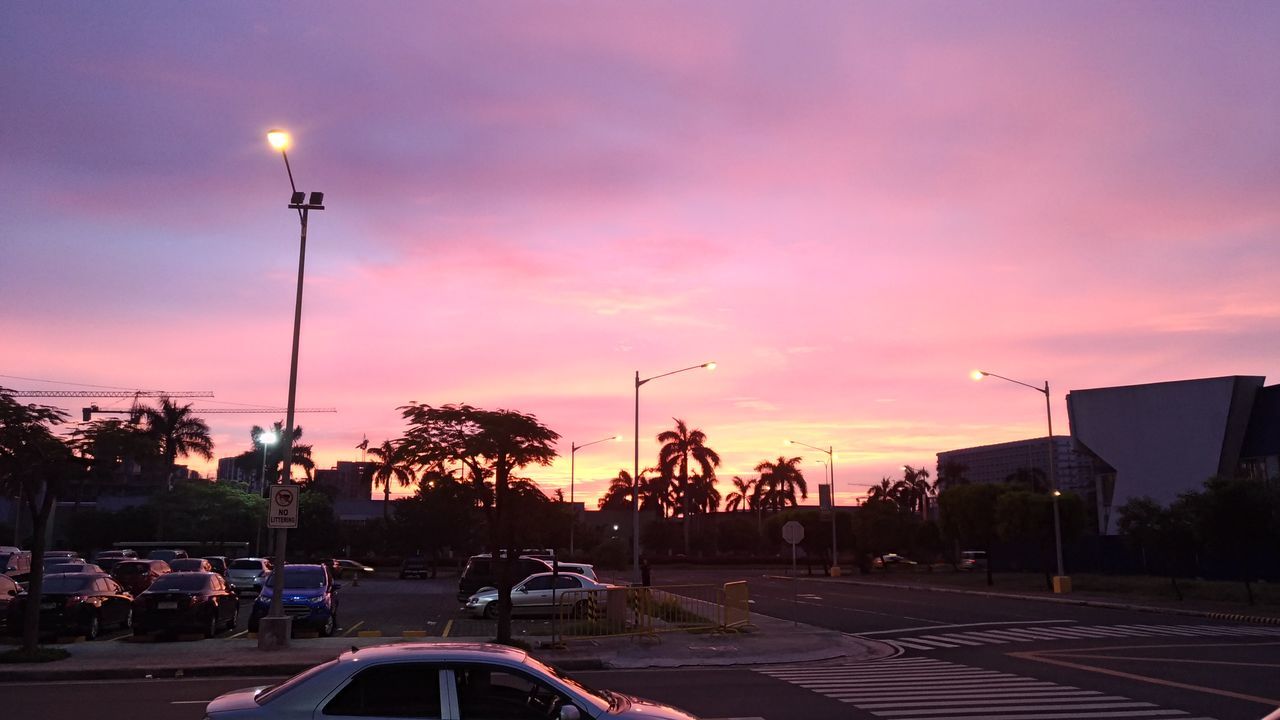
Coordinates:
958 657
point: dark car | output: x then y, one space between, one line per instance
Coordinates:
78 603
137 575
15 563
219 563
60 559
480 572
309 598
77 567
198 601
190 564
8 591
108 559
166 555
415 567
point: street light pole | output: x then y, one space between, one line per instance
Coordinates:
831 466
278 621
264 438
573 453
635 468
1053 475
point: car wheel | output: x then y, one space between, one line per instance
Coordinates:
491 611
93 628
128 619
211 629
235 618
329 626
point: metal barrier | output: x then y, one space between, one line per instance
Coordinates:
623 611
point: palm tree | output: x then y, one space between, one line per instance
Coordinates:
779 482
886 490
618 496
679 446
176 432
743 497
390 462
914 490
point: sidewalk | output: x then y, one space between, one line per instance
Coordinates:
770 640
1189 608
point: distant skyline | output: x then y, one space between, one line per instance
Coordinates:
847 205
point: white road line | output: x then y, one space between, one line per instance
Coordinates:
945 638
989 701
1073 715
965 625
1130 705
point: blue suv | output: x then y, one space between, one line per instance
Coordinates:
309 598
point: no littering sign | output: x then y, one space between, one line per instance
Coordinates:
282 507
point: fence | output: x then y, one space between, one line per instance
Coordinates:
651 610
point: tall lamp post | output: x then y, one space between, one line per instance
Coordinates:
265 438
573 452
1061 583
831 466
275 628
635 469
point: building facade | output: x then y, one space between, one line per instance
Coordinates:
997 463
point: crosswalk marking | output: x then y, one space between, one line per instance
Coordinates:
1004 635
924 688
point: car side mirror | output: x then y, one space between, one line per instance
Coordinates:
570 712
524 590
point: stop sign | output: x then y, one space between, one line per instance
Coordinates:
793 532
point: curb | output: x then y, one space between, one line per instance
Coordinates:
1155 609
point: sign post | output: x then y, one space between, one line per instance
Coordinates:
793 532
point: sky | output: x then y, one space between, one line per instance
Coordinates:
847 206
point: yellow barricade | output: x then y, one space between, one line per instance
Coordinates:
634 610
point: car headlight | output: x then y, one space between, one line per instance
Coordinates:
317 600
473 601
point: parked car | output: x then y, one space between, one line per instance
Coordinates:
80 567
533 595
108 559
247 574
889 559
973 560
480 681
190 564
78 603
219 563
343 568
137 575
166 555
15 563
579 568
8 591
50 561
199 601
415 566
65 554
309 598
480 572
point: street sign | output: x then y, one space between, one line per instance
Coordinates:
282 506
824 502
793 532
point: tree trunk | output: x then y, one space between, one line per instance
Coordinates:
31 613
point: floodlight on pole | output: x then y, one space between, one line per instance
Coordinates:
573 453
831 467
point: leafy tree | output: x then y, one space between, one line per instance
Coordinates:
110 447
1027 517
779 481
951 474
1140 521
390 462
1236 518
1031 479
36 465
883 526
679 447
968 516
489 442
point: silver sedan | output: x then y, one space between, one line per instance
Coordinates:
533 595
451 681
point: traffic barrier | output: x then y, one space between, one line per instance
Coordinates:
648 611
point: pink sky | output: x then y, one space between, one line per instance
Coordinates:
848 206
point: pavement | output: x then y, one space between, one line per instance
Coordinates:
767 640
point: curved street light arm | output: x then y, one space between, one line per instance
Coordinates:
673 372
1016 382
575 448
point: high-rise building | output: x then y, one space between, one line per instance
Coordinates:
347 480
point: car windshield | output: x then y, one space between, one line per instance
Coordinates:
602 698
276 690
246 565
132 568
301 577
4 560
67 584
186 564
180 582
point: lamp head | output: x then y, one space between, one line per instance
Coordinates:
788 442
267 438
977 375
1057 493
709 365
617 438
279 139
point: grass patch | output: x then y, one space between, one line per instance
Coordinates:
39 655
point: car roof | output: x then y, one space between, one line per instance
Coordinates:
446 652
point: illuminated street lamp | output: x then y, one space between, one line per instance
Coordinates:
276 632
573 452
1053 481
831 466
635 477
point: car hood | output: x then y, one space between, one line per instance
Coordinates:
293 593
236 700
487 594
641 709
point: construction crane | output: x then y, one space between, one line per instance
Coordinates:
107 393
89 412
